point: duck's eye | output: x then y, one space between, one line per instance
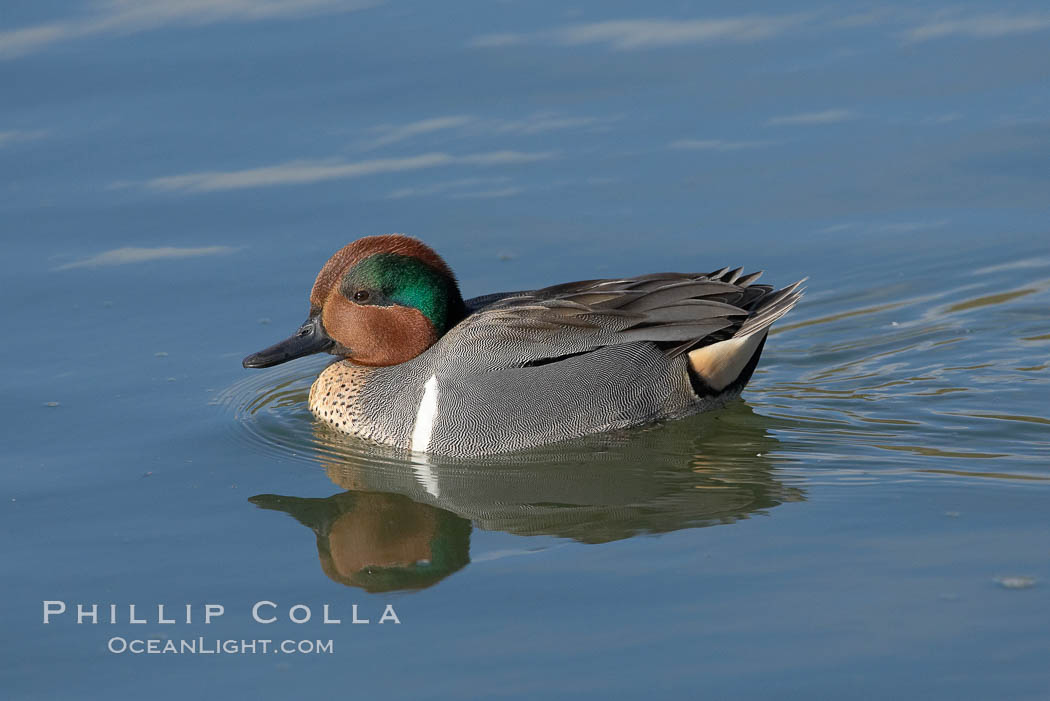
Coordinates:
361 296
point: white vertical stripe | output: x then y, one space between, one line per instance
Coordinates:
425 416
426 476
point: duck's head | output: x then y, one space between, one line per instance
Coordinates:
380 300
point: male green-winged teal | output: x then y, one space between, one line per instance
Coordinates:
425 370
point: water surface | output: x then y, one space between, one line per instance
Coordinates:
870 519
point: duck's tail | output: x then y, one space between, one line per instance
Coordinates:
729 364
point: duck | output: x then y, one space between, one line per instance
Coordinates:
423 370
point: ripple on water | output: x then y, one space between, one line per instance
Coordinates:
912 378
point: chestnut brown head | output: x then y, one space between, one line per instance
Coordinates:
380 300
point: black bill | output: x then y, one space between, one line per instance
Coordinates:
309 339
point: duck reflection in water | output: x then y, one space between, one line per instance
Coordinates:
378 541
405 523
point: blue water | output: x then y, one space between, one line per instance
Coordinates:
870 520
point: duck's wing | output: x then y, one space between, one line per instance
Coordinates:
677 312
476 304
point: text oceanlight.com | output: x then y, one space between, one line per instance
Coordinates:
214 646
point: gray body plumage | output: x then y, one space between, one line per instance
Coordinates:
535 367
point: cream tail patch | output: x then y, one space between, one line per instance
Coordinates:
721 363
